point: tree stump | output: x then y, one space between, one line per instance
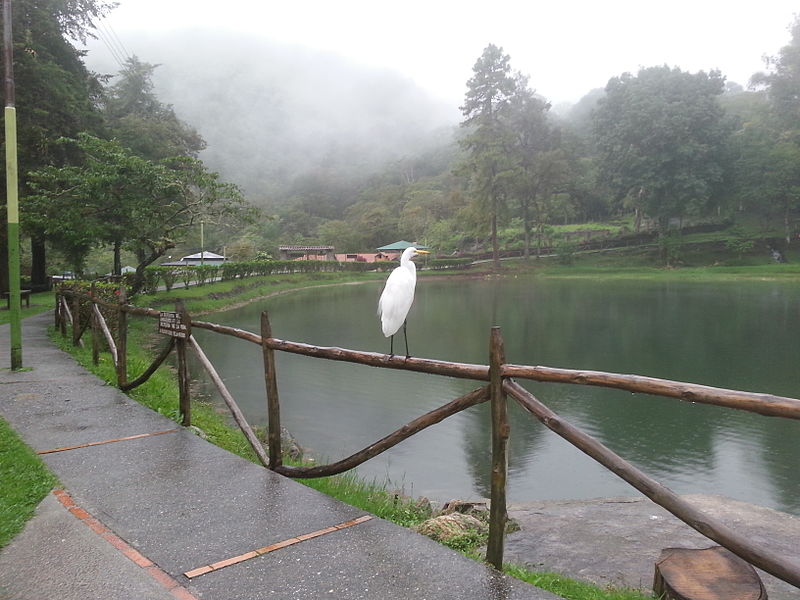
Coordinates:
708 574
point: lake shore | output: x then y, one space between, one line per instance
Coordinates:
617 541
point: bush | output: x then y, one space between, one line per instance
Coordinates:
105 292
565 251
152 277
449 263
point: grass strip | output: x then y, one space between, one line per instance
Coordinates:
40 302
569 588
24 481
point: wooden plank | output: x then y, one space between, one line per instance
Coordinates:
221 564
705 574
103 442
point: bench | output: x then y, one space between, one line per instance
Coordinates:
23 295
709 574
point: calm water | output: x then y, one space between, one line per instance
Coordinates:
741 336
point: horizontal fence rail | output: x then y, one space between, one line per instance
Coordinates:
739 544
764 404
500 378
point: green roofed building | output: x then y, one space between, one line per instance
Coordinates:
400 246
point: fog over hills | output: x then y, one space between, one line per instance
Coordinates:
271 111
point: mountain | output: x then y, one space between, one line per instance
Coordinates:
271 111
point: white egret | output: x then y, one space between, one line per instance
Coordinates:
398 295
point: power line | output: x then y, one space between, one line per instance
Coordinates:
119 43
111 40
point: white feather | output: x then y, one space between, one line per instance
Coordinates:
398 294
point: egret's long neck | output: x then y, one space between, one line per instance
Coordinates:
409 264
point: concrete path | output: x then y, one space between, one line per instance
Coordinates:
135 516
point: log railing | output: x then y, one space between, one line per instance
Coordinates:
500 378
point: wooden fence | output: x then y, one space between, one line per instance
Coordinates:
499 377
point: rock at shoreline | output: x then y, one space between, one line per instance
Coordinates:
446 528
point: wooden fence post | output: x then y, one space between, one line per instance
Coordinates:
498 514
273 404
76 320
185 403
122 338
63 315
95 325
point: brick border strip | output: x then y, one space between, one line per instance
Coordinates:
122 439
173 587
272 547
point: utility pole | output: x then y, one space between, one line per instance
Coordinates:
202 246
12 191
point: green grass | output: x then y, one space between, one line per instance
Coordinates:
220 295
40 302
571 589
24 481
638 264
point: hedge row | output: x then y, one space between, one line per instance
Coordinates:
107 292
200 274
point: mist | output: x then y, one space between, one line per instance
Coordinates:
271 112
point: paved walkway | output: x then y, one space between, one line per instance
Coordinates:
134 516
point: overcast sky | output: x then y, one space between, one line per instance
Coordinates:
567 47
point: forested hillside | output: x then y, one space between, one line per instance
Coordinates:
269 144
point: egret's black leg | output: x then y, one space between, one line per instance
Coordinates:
405 336
391 346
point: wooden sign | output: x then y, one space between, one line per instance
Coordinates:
170 323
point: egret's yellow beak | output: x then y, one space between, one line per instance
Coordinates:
422 252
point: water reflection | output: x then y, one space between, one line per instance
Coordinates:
730 335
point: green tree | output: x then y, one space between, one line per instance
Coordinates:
117 197
487 143
660 138
140 121
775 146
55 94
538 167
782 81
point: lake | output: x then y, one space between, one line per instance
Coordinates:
733 335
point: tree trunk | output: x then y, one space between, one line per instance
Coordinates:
38 263
495 249
786 224
117 260
526 226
